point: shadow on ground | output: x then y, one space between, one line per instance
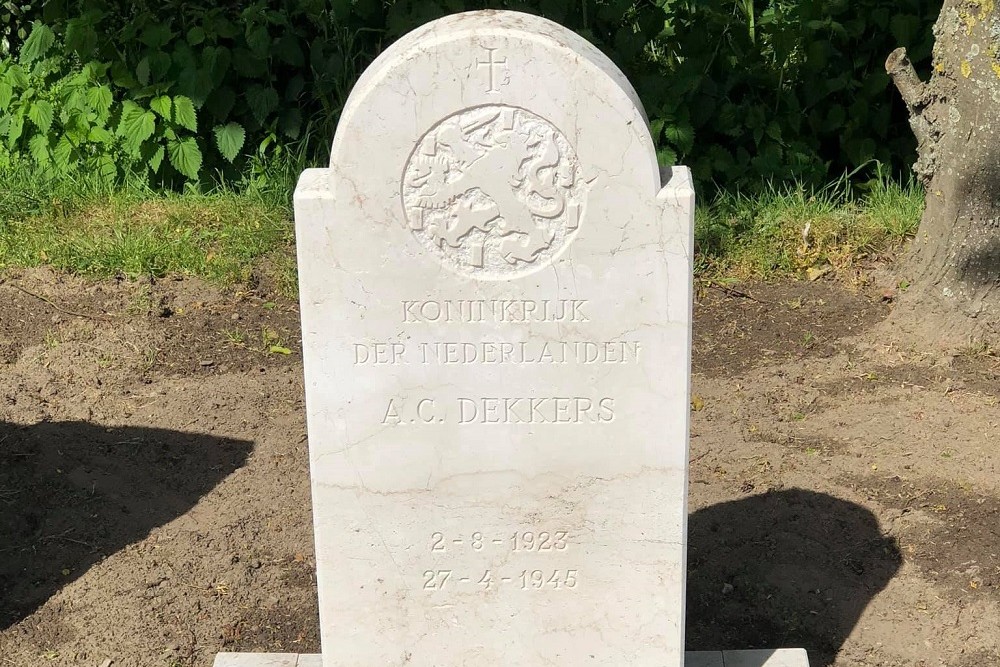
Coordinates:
786 569
73 493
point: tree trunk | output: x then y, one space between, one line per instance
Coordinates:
954 262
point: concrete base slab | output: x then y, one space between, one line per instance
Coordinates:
782 657
786 657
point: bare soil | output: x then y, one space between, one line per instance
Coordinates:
154 493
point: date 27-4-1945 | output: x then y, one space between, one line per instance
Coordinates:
527 580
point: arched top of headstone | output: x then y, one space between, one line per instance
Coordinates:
494 137
478 27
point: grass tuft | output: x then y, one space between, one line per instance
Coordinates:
793 232
86 228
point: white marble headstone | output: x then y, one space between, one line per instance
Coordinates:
496 309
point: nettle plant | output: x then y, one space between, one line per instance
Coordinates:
65 116
743 91
206 86
752 90
61 120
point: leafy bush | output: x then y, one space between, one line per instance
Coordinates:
744 91
180 90
784 90
67 118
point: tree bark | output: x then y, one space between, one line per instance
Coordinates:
954 262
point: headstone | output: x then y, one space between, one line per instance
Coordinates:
496 285
496 308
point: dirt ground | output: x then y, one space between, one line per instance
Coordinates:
154 494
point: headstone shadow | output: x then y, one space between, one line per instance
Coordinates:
786 568
73 493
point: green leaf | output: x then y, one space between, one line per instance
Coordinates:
216 60
288 50
262 101
159 66
6 95
681 136
258 40
15 129
666 157
249 65
74 101
16 77
99 99
81 36
720 158
156 159
156 35
184 113
290 122
195 84
185 156
142 71
77 128
122 75
136 126
195 36
63 152
38 43
38 146
229 139
163 106
107 168
182 58
95 71
875 83
221 26
656 127
40 113
100 135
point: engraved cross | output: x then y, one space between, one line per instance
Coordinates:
493 65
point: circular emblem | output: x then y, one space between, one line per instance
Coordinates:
494 192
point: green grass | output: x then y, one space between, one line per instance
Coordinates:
82 226
227 233
787 232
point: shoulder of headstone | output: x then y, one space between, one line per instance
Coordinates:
678 184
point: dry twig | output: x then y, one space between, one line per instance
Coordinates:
58 307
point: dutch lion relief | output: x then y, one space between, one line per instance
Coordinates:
494 191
